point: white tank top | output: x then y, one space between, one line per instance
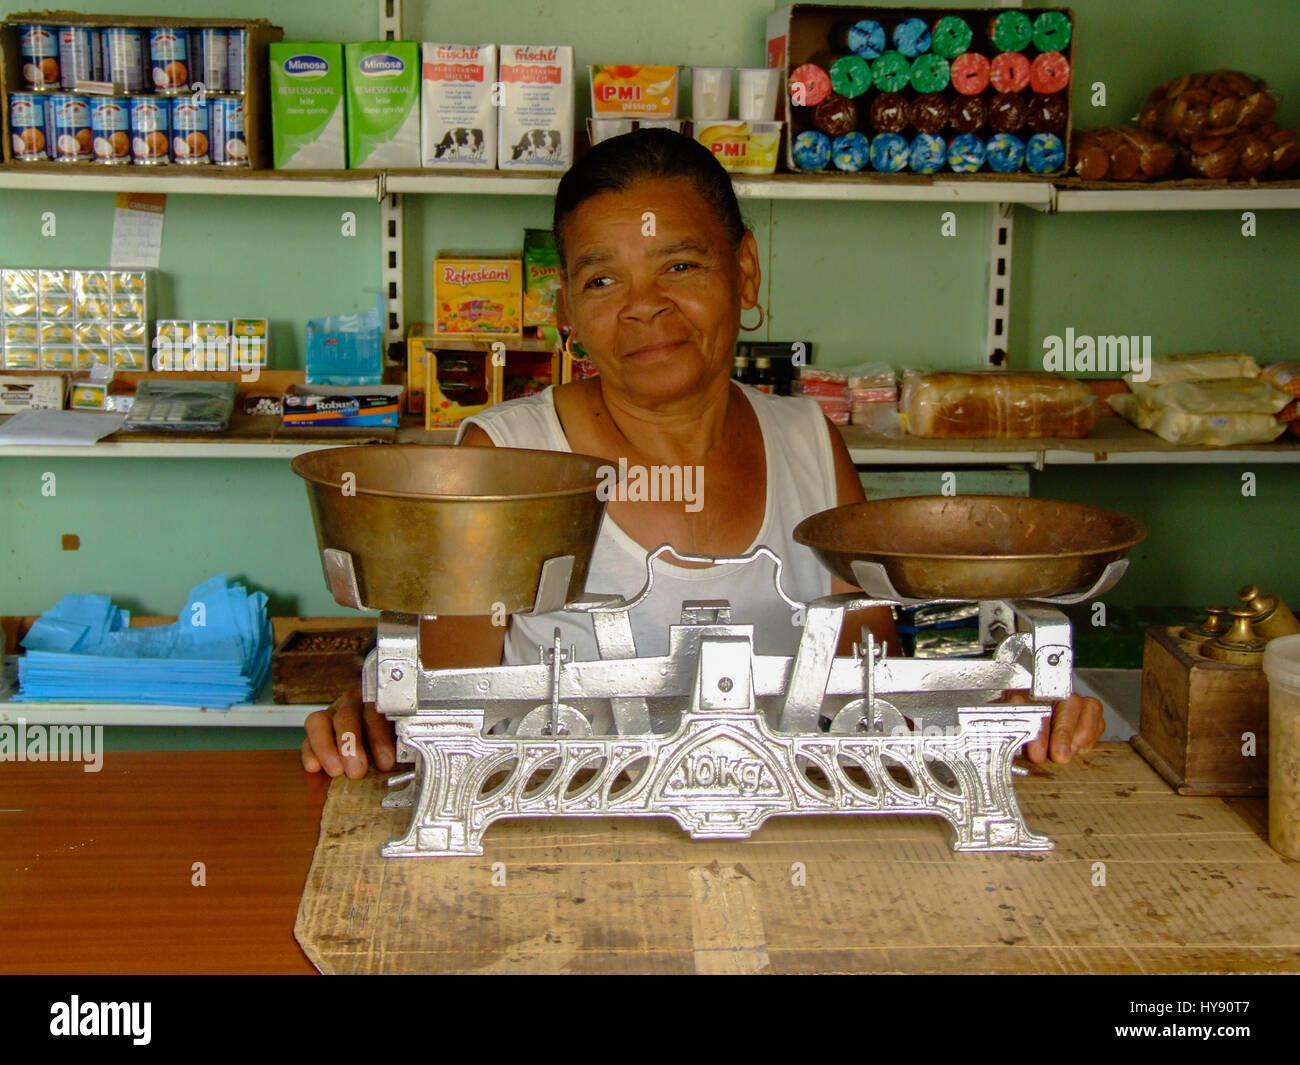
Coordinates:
800 482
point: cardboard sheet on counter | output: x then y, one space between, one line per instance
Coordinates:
1190 886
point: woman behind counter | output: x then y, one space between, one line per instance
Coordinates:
657 266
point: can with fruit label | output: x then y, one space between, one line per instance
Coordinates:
124 58
229 143
38 47
150 131
169 58
27 126
190 130
110 127
67 121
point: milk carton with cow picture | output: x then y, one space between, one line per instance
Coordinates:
536 119
458 124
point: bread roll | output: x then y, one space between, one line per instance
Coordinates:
996 405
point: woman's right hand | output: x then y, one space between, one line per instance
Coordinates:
338 738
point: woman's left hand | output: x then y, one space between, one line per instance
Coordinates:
1076 725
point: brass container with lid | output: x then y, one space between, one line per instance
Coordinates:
1270 617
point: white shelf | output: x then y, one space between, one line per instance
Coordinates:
79 177
243 715
484 183
1246 198
180 449
795 187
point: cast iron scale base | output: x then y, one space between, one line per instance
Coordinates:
712 734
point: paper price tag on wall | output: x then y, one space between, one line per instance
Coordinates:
137 230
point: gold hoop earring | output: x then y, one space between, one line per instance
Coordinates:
568 345
762 317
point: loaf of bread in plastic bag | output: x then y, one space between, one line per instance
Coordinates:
996 404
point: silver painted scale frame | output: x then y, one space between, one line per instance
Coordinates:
712 734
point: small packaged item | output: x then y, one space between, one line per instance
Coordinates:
346 349
93 335
249 337
541 279
21 334
343 406
92 294
58 334
22 357
18 293
871 375
460 382
742 147
59 358
129 357
1232 395
128 307
88 395
128 282
620 91
30 393
1203 430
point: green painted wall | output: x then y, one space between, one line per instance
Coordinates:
862 280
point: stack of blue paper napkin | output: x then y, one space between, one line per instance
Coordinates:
218 652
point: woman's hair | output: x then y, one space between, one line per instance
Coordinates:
616 164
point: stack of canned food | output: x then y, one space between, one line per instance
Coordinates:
123 94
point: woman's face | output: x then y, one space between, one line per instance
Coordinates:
654 289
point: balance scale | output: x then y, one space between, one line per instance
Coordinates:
713 734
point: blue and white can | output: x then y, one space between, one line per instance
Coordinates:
110 128
67 121
236 47
211 59
27 126
191 130
124 55
79 55
38 47
150 131
229 141
169 59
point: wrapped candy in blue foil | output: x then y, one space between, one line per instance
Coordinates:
811 150
966 153
851 151
912 37
929 153
1006 153
890 152
866 38
1045 153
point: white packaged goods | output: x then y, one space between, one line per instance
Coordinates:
536 121
458 123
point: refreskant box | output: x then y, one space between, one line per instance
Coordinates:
478 295
536 120
383 103
458 121
307 106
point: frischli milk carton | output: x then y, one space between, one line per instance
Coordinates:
383 103
536 121
307 105
458 122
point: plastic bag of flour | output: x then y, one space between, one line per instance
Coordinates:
1240 395
1213 429
1197 366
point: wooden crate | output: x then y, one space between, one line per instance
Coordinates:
302 672
1195 712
